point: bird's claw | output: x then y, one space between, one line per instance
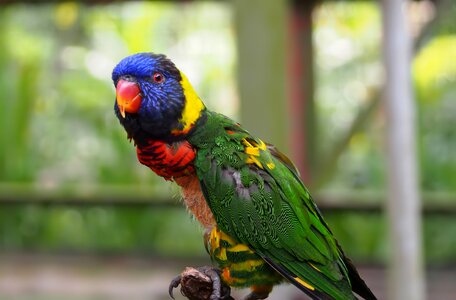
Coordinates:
174 284
201 283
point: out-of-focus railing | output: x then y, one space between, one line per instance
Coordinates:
435 203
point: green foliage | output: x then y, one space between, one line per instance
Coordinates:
57 127
435 81
348 67
348 58
100 229
367 242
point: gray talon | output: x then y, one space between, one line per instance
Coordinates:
174 284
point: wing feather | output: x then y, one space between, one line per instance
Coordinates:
272 212
257 197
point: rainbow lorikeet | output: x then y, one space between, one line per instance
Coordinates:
261 222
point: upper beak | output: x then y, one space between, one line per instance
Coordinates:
128 97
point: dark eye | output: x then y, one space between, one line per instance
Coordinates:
158 77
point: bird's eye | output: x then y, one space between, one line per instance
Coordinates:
158 77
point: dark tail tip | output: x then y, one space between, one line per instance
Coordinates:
357 283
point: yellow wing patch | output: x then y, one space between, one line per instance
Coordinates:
253 146
240 248
226 237
304 284
220 252
253 150
247 265
270 165
192 108
215 237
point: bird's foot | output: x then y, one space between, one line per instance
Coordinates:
259 292
201 283
255 296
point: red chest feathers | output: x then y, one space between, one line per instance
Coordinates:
167 160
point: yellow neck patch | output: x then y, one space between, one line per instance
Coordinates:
192 108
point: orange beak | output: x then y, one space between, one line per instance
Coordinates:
128 97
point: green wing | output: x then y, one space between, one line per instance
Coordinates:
256 197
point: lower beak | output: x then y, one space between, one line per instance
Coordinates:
122 110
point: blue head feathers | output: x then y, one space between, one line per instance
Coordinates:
162 95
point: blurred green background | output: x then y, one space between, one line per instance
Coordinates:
59 136
69 179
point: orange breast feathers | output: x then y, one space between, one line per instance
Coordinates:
167 160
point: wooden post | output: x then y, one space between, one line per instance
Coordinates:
300 81
261 37
405 269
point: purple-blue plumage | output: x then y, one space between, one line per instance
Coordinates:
162 103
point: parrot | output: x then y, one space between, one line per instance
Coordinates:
262 227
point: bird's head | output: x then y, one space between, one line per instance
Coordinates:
154 98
